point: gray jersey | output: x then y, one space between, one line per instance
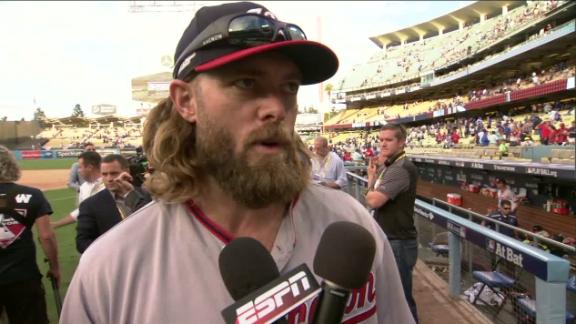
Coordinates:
161 266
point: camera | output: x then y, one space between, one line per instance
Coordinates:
138 165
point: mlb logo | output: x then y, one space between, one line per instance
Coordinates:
491 245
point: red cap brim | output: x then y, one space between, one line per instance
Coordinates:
317 62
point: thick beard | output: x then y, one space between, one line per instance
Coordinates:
252 181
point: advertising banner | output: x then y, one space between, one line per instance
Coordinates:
31 154
47 154
526 168
67 153
17 155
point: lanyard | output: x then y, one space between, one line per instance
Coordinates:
383 172
121 210
121 206
322 169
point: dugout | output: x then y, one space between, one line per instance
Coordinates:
441 176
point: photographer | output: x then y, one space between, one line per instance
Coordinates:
139 168
110 206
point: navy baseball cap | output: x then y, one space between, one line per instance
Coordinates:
218 35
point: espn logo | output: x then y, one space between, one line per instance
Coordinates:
275 299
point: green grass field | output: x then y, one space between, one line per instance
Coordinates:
49 164
62 202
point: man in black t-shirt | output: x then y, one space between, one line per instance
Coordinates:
21 290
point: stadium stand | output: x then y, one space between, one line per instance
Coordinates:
104 132
406 61
491 96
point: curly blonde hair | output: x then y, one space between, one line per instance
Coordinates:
168 141
9 169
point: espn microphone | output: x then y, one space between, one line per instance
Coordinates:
246 265
261 294
344 258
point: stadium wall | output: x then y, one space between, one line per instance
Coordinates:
13 133
10 130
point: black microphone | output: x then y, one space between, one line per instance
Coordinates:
344 258
246 265
261 294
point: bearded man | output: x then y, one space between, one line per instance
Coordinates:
227 164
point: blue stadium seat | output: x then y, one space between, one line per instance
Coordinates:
499 283
439 249
439 244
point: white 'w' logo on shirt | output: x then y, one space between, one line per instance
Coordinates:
23 198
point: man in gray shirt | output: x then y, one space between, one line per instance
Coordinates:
392 193
227 164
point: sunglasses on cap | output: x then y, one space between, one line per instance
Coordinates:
242 30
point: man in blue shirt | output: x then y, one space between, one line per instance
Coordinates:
327 167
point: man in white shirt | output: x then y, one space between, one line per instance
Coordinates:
493 138
89 169
505 193
75 180
327 167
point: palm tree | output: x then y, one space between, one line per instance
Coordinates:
328 89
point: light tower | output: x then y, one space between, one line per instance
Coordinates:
165 6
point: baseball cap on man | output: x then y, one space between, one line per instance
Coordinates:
218 35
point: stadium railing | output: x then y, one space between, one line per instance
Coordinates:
540 293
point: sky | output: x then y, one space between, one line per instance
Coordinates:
54 55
